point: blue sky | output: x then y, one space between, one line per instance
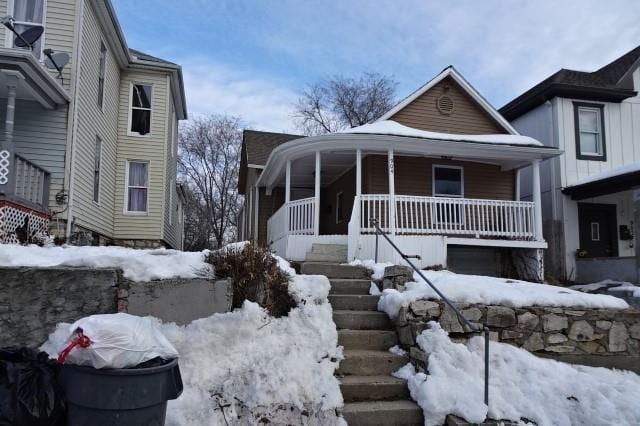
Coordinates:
252 58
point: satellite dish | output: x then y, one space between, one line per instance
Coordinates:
56 61
28 37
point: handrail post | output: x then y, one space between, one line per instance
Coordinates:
486 366
377 236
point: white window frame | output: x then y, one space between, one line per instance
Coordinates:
433 180
131 107
338 219
97 160
172 185
102 73
125 208
598 133
9 36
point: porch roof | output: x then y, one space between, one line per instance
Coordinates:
35 81
615 180
479 148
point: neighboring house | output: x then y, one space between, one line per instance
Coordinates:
444 157
594 117
92 151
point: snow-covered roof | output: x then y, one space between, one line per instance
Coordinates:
616 171
390 127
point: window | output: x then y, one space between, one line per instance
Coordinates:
595 231
140 116
339 207
101 72
589 124
97 159
171 189
137 186
29 14
447 181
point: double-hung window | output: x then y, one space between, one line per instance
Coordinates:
97 160
137 186
448 181
589 125
101 73
140 114
28 14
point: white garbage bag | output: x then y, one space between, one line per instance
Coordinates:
116 341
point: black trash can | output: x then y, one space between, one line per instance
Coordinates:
123 397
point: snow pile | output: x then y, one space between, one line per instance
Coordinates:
249 359
377 269
522 386
492 291
137 265
608 285
390 127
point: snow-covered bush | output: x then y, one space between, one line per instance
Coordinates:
255 276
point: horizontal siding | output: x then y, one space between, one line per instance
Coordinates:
40 136
151 149
172 225
467 116
92 122
413 176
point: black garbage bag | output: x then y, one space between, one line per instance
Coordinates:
29 390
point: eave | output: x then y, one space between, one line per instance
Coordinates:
603 187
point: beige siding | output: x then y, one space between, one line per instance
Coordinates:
172 226
151 148
467 116
92 122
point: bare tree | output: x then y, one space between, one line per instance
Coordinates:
337 103
209 161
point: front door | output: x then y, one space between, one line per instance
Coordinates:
597 227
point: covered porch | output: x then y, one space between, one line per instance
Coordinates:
426 192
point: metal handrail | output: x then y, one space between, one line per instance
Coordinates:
472 326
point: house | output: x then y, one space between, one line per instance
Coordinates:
444 158
587 192
88 153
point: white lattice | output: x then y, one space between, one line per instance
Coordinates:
4 167
13 219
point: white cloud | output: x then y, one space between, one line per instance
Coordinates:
261 103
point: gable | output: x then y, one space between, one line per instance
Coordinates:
465 117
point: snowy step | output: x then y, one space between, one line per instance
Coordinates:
331 270
367 339
383 413
326 257
354 302
361 320
370 363
329 249
349 286
373 388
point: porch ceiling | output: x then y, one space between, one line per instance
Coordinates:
342 150
333 165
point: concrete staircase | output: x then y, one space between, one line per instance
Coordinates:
372 396
335 253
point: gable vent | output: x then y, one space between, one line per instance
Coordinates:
444 104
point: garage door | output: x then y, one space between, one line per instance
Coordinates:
473 260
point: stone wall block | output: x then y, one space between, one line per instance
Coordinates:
603 325
405 337
449 321
581 331
425 308
534 342
472 314
618 337
553 322
500 316
555 338
634 331
528 321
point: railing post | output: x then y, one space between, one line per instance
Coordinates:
486 366
316 210
392 194
537 200
287 197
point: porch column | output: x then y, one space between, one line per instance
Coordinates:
358 172
287 196
537 200
7 148
316 212
392 194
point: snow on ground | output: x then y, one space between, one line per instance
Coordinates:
522 386
136 264
247 357
492 291
390 127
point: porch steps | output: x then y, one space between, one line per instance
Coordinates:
335 253
372 395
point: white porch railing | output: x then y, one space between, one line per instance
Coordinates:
300 219
449 216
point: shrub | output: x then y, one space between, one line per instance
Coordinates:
255 276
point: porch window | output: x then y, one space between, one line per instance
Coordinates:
29 14
448 181
137 186
339 207
101 73
97 160
140 114
590 141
